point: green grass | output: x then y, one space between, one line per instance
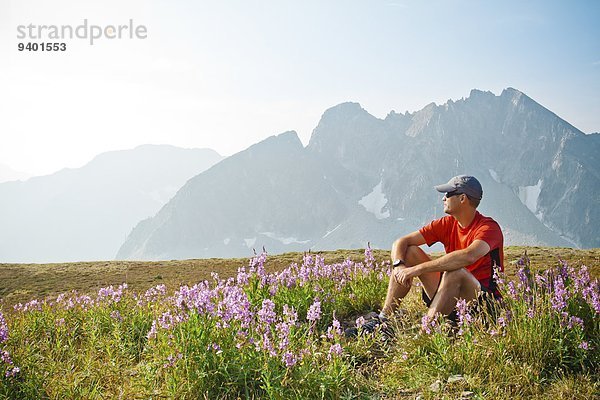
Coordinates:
202 349
23 282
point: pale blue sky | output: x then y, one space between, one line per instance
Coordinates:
225 74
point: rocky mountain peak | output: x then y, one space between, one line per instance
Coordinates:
288 139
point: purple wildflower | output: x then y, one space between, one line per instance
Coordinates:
564 269
530 312
273 289
11 373
564 318
290 315
524 279
512 290
242 276
307 260
369 258
267 344
334 350
560 296
289 359
582 279
111 294
32 305
335 330
498 276
257 263
3 329
215 347
267 314
283 328
283 332
5 357
172 359
575 321
428 323
584 345
84 301
314 311
502 321
541 281
116 315
153 331
166 320
593 298
464 318
154 293
360 321
304 275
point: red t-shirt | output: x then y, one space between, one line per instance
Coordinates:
447 231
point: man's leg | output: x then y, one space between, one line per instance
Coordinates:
396 292
454 285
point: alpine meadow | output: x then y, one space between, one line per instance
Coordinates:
273 328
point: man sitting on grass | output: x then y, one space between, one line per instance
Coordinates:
473 245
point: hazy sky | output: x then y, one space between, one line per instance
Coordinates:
226 74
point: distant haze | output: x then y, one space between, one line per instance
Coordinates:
8 174
85 214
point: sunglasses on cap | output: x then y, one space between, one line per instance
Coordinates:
450 194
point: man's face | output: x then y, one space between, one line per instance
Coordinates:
452 202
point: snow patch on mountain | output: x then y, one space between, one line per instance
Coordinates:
331 231
284 240
529 196
494 175
375 201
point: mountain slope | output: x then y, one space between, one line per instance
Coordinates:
86 213
367 179
8 174
261 196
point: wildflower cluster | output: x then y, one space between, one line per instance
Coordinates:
283 319
257 310
553 312
272 334
6 361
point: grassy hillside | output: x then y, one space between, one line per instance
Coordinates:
275 330
23 282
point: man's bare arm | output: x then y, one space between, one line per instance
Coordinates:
449 262
401 245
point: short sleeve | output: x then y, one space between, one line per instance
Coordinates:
435 231
490 233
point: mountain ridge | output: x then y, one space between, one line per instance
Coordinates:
376 177
83 214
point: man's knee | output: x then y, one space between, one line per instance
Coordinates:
415 255
453 277
458 277
461 279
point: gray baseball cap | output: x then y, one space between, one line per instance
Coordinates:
466 184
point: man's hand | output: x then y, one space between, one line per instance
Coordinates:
403 275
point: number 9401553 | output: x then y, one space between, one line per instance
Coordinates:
44 46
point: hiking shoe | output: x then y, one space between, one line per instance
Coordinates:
377 323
